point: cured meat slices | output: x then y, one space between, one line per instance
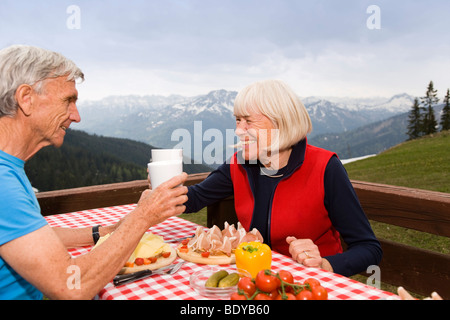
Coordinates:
223 241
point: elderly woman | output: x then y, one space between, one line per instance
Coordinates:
298 196
37 105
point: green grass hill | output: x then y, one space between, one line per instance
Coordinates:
423 163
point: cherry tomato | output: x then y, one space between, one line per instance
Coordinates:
139 261
266 282
185 242
319 293
305 295
286 276
166 254
273 294
237 296
246 284
312 282
289 296
262 296
205 254
183 249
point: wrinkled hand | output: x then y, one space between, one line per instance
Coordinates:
304 251
164 201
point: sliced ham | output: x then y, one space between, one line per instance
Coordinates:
226 246
222 241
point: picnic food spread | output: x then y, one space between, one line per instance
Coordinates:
180 286
226 246
150 253
216 246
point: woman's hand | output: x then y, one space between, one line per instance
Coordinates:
304 251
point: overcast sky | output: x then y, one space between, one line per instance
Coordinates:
190 47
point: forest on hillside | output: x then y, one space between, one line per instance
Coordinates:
85 160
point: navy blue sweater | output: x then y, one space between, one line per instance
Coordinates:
341 202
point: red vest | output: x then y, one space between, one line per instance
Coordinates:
298 204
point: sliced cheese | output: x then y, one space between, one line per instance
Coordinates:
149 246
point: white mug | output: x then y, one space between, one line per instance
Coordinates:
166 154
161 171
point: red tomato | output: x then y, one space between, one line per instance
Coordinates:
183 249
273 294
320 293
266 282
205 254
286 276
237 296
139 261
305 295
289 296
312 282
262 296
246 284
166 254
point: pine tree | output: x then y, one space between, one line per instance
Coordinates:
414 121
445 117
429 123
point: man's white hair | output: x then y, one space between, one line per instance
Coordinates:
20 64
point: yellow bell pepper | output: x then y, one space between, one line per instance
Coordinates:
253 257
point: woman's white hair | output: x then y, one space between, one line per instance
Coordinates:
20 64
275 100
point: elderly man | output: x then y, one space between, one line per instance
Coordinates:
37 105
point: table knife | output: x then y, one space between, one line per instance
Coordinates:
131 277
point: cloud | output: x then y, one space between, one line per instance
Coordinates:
192 46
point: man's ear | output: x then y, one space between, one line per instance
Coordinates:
24 98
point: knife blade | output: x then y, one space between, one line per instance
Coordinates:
177 239
131 277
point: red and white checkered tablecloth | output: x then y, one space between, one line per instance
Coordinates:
177 286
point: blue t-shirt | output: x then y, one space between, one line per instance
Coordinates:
19 215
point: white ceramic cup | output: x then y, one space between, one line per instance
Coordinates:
166 154
161 171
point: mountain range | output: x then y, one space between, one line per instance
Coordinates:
205 119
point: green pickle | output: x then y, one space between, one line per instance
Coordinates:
213 281
229 281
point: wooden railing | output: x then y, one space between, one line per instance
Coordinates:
69 200
418 270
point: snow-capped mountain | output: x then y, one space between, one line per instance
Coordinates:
396 104
158 120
